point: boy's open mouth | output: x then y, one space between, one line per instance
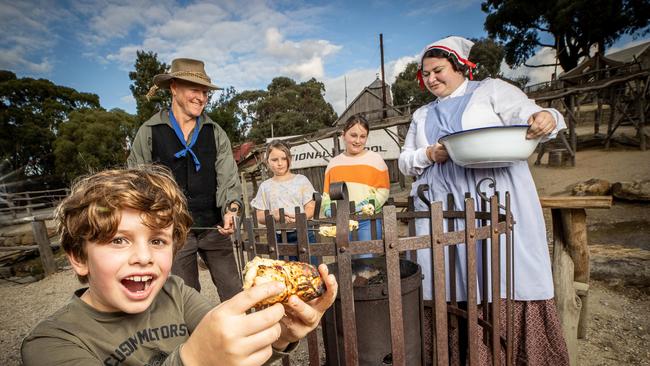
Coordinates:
137 283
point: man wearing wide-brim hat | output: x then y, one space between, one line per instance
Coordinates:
198 152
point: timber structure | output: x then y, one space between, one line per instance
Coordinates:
617 84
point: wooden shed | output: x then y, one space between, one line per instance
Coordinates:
370 103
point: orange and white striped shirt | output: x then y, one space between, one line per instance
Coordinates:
366 177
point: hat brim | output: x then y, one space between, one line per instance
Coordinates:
162 81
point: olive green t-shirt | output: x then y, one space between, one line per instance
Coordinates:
77 334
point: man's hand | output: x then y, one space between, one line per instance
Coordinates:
437 153
301 318
228 227
228 336
541 124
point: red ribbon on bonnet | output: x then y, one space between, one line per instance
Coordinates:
465 62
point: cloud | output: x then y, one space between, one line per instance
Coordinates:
537 75
356 80
127 100
305 58
27 40
438 7
242 46
115 19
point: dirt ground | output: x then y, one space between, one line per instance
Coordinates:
619 325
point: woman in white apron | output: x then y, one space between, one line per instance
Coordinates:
464 104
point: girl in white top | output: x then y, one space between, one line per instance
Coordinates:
285 189
461 105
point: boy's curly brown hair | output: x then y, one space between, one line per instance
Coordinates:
93 210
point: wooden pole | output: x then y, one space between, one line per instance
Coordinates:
599 114
573 122
642 103
45 251
566 301
574 225
383 82
245 195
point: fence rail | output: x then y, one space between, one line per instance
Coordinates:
15 205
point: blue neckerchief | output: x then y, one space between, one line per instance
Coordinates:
188 148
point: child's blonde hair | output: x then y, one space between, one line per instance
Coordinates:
92 211
280 145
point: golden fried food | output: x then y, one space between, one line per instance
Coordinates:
368 209
301 279
330 231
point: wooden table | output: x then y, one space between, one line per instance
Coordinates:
571 263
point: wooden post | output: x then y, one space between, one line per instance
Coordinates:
571 263
613 101
253 176
574 225
337 145
245 195
573 122
642 103
599 114
566 301
45 251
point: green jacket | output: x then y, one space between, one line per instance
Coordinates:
228 185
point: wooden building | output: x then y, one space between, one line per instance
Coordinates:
370 103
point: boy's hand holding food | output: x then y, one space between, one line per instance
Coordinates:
227 335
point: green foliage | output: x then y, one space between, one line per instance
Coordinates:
93 140
487 55
224 112
406 88
31 113
287 107
573 27
146 67
6 75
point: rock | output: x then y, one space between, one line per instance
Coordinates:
9 242
592 187
632 191
27 279
620 266
27 239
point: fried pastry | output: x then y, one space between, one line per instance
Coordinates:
301 279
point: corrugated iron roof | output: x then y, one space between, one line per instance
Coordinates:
629 54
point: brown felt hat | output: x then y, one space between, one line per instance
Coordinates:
186 69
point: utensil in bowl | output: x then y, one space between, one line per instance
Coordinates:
489 147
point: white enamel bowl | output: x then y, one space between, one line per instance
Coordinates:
489 147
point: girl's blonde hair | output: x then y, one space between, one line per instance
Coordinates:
93 210
280 145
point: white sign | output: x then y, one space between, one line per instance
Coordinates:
319 153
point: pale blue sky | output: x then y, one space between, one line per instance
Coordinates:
90 45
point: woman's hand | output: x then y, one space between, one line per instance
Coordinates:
301 318
437 153
541 124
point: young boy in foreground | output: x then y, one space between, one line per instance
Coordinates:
120 230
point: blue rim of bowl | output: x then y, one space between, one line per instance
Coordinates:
478 129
